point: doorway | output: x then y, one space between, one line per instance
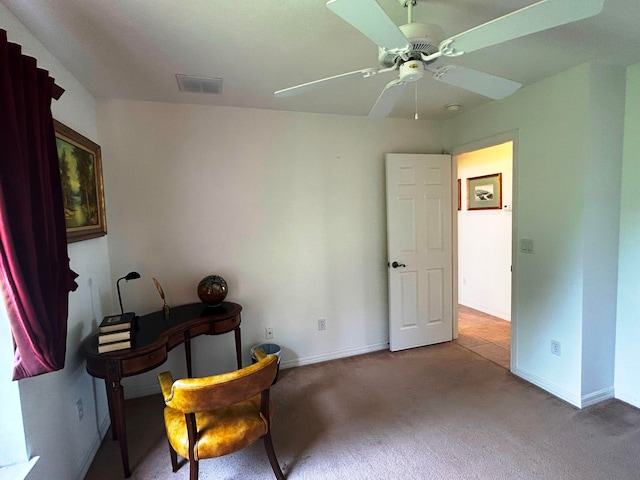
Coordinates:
484 334
484 250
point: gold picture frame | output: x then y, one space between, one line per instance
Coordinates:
485 192
80 162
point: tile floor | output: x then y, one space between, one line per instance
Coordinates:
488 336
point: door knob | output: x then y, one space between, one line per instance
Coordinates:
396 265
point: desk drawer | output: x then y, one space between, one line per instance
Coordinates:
199 330
224 326
175 340
145 362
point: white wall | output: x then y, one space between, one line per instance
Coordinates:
484 236
13 445
66 445
289 208
560 156
601 213
627 386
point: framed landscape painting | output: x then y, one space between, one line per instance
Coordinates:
82 189
485 192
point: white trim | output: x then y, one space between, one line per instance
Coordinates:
19 471
495 313
597 397
103 427
95 446
89 457
349 352
552 388
143 391
491 141
153 389
512 136
627 397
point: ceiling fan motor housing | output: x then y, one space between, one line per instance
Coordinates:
424 38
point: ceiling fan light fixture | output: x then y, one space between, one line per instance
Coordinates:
453 107
411 71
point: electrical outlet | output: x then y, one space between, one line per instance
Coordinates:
268 333
322 324
555 347
80 409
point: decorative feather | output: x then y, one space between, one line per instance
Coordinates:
160 291
165 307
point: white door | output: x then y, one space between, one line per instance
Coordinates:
419 243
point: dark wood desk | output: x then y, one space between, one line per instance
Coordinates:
153 336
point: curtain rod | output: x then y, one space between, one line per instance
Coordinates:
56 90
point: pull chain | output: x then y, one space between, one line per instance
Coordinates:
416 98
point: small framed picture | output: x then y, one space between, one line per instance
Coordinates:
82 189
485 192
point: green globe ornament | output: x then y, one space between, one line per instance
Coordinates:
212 290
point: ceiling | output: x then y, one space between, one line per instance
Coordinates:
132 49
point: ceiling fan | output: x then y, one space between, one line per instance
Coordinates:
415 48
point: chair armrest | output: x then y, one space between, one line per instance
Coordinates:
166 385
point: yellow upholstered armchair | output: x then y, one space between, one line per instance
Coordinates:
213 416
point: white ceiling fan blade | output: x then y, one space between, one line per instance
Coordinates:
475 81
287 92
368 17
387 99
534 18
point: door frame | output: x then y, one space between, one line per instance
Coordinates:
509 136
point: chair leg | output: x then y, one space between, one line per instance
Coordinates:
174 458
268 446
193 469
192 432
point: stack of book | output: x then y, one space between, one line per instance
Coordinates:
115 333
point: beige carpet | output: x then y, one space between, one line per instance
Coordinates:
439 412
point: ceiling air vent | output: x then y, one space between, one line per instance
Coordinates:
189 83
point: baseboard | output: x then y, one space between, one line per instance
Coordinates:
349 352
153 389
552 388
103 428
627 397
597 397
143 391
93 450
580 402
482 308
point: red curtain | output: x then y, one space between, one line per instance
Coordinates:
34 263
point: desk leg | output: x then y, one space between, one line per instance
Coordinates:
115 397
111 402
238 347
187 353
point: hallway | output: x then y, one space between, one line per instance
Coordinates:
488 336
